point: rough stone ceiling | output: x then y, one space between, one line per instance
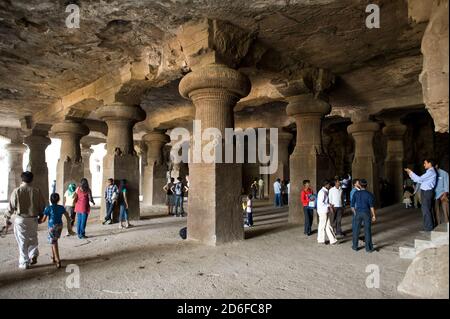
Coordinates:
42 61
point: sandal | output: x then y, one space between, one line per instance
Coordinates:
58 264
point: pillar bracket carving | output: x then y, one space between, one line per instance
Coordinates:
211 41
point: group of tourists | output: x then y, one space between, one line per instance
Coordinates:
330 203
30 208
175 194
117 197
281 193
257 188
281 190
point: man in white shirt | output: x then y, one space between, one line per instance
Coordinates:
345 183
288 189
277 192
261 188
336 198
323 208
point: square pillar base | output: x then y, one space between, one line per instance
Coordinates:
215 213
312 167
155 177
394 174
40 179
66 173
365 167
123 167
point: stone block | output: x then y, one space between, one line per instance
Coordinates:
407 252
428 274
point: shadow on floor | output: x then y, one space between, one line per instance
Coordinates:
45 267
394 225
257 231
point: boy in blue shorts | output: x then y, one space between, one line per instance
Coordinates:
54 213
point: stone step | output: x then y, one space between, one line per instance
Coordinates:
419 244
438 236
407 252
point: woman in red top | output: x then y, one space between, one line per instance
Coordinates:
306 197
82 208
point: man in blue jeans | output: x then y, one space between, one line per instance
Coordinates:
111 195
362 205
277 192
179 189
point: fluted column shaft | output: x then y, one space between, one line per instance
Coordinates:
86 153
37 164
155 171
364 163
15 164
70 168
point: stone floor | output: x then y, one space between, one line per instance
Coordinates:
151 261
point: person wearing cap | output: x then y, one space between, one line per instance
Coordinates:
363 208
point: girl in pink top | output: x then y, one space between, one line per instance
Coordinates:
82 208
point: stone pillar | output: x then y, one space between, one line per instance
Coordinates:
37 142
250 171
215 215
268 189
121 160
70 168
142 164
86 153
307 104
155 172
364 163
284 139
15 167
393 166
307 161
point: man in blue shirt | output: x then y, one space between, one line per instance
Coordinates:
427 183
363 208
355 188
277 192
441 196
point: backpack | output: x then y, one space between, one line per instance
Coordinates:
178 189
183 233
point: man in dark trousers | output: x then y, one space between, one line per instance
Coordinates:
363 207
427 184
